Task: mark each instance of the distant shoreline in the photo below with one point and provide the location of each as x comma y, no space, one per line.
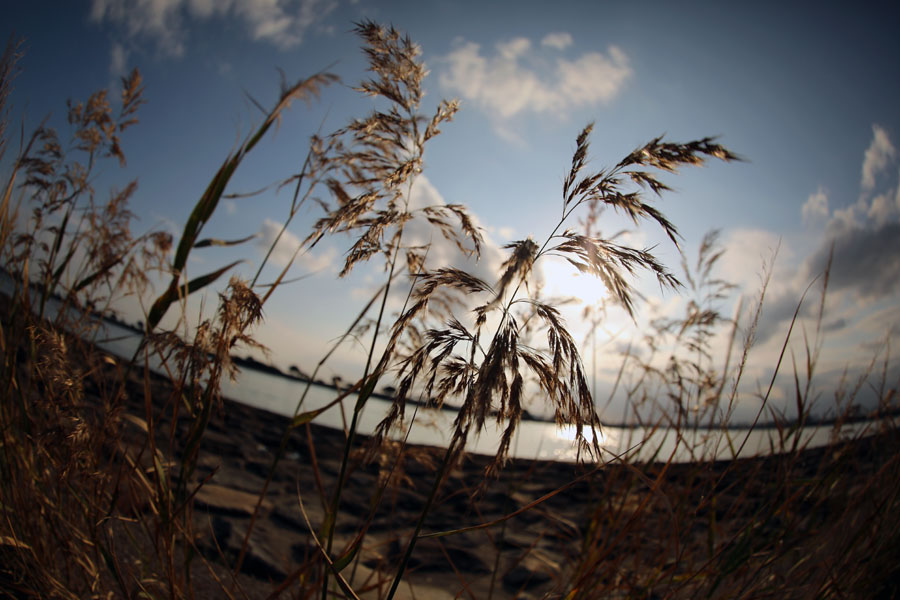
269,369
252,364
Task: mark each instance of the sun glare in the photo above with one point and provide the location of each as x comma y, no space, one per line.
568,432
561,280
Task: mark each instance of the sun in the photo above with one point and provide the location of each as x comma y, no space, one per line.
562,280
570,432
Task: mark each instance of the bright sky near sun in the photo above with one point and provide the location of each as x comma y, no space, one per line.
807,92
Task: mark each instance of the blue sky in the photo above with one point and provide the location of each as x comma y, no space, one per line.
806,92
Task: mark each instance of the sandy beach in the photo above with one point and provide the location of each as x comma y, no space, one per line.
236,456
531,555
621,530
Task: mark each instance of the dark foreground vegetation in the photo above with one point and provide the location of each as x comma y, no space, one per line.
119,482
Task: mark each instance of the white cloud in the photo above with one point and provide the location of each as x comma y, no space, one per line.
878,204
505,233
442,252
878,155
594,77
423,193
860,244
158,20
849,217
514,48
747,251
206,8
287,246
859,241
165,22
560,40
815,209
512,81
897,194
882,210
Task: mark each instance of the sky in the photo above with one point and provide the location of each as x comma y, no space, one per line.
805,92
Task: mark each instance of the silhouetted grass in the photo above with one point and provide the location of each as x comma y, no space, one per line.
108,470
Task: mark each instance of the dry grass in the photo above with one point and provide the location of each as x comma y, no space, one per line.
101,464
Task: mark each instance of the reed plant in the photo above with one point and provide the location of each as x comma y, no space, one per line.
746,527
103,462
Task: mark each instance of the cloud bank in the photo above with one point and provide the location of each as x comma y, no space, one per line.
859,243
866,235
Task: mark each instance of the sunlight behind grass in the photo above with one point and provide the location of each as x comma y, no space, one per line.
117,481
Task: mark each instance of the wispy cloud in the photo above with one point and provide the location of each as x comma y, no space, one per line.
118,60
749,252
878,156
560,41
518,78
287,246
159,20
165,23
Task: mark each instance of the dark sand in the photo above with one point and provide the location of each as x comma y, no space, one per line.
638,510
529,556
236,456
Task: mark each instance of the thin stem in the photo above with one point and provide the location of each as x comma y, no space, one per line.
295,206
365,391
438,479
287,432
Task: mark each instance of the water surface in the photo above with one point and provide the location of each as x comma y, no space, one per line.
534,439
